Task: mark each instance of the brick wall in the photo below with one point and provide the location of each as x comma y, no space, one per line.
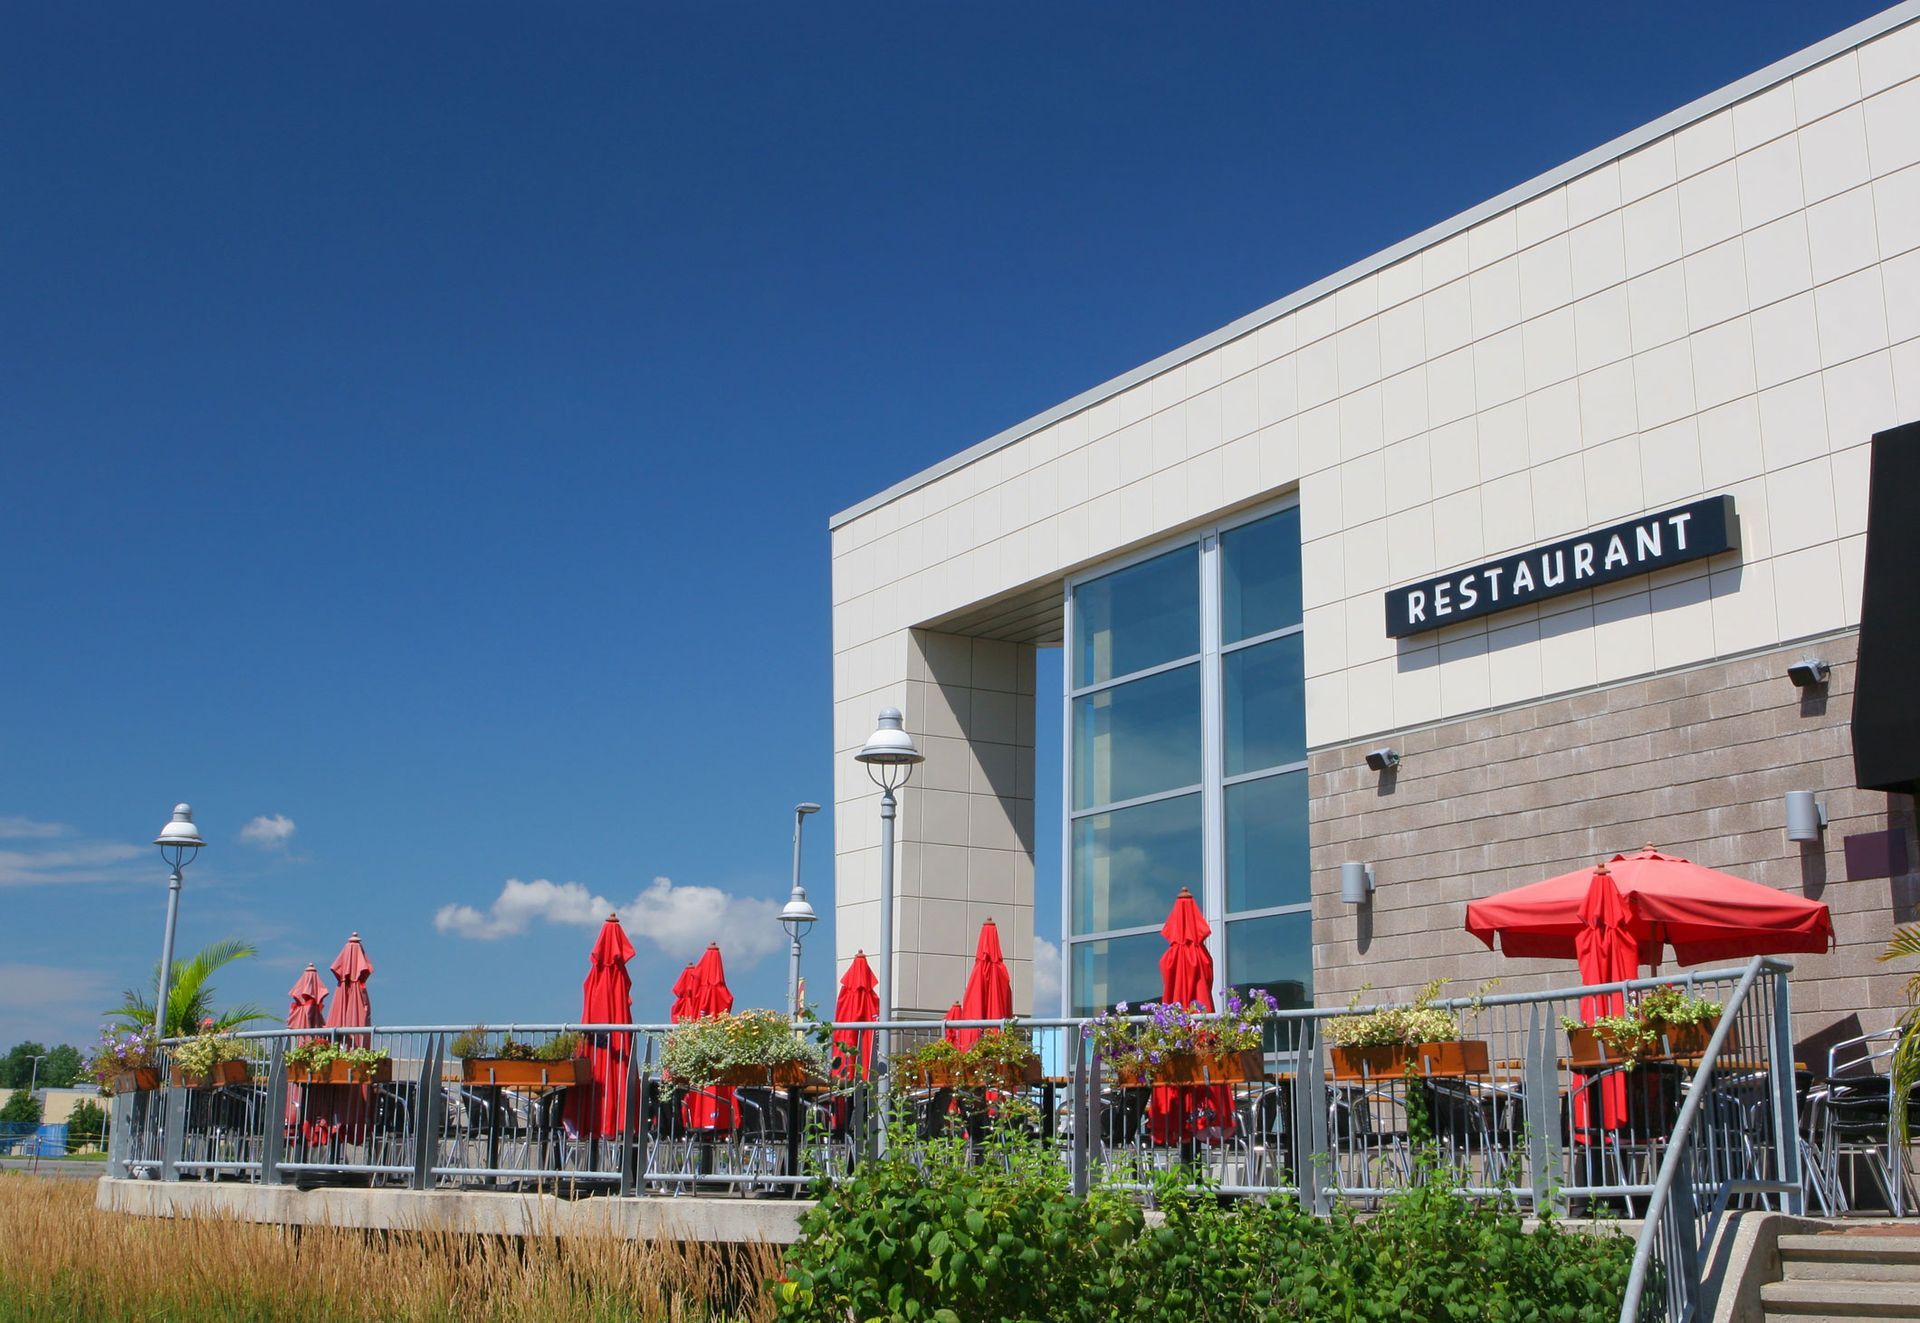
1697,762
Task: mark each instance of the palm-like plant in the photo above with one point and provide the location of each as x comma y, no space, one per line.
1906,1053
190,995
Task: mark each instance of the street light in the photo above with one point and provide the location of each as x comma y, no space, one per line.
33,1080
179,842
889,756
798,916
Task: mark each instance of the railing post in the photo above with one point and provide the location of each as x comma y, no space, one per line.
635,1131
1683,1270
1540,1093
1316,1143
273,1126
173,1141
1082,1116
428,1113
120,1125
1786,1102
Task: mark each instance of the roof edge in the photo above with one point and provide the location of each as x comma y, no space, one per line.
1698,109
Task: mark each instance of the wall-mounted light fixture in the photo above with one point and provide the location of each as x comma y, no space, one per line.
1356,883
1806,816
1808,673
1383,760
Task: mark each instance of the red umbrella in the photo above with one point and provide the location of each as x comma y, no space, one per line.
340,1111
606,997
711,996
989,994
1608,953
683,996
308,996
1186,979
1700,913
953,1035
859,1001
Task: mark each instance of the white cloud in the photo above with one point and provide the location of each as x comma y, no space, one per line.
26,829
268,833
68,864
679,920
1046,977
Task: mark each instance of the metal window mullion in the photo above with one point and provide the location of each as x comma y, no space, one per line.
1114,934
1269,911
1256,640
1145,673
1262,774
1119,805
1212,759
1068,881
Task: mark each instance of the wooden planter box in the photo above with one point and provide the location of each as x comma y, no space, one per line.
141,1079
339,1072
512,1073
1469,1057
223,1073
1190,1068
1012,1078
783,1075
1590,1052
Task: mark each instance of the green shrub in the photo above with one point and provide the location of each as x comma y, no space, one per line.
998,1237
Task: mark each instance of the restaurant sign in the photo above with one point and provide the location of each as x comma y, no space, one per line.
1639,546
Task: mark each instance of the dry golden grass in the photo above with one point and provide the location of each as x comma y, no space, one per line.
61,1259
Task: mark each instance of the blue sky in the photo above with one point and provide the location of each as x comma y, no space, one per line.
421,422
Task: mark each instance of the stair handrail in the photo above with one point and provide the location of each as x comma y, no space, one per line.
1678,1155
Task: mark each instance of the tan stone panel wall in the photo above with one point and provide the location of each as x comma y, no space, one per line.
1696,762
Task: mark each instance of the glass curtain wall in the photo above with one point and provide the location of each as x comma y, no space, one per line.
1187,763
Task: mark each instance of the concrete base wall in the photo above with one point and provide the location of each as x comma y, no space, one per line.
720,1220
1697,762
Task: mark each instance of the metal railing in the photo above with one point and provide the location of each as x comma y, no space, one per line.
1513,1110
1736,1138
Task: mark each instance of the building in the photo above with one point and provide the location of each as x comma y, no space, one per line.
1546,499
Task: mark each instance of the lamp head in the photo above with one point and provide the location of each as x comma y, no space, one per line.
1383,760
801,810
798,915
179,840
1808,673
890,753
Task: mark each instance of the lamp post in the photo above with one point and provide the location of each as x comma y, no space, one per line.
798,916
889,757
33,1080
179,842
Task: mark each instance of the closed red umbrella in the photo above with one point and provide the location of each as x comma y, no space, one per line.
953,1035
859,1001
1186,979
683,987
711,996
340,1111
306,1010
606,997
1608,953
989,994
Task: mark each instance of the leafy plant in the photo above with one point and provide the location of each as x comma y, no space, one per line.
479,1042
1635,1035
21,1108
207,1049
700,1051
1673,1004
319,1055
120,1052
1125,1042
990,1059
86,1124
1905,1067
1419,1021
190,995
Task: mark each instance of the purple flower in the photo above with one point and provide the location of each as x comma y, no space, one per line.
1120,1007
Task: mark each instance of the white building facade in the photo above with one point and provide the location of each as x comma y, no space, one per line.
1330,527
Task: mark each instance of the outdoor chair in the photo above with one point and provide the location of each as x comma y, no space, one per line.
1856,1116
759,1139
1266,1129
1368,1146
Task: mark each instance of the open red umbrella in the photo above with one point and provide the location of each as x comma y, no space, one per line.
1186,979
1699,913
306,1010
606,997
859,1001
989,994
711,996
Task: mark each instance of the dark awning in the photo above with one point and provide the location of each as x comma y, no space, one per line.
1886,697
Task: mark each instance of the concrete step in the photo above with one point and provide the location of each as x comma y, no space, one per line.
1840,1257
1801,1300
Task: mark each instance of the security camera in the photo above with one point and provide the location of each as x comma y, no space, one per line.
1383,760
1808,674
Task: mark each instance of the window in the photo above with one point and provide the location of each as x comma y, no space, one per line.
1187,763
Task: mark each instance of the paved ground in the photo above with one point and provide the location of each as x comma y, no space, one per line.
59,1169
